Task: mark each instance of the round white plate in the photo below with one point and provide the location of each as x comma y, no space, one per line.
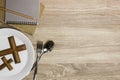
22,69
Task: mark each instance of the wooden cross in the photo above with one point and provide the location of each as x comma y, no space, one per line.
13,50
6,63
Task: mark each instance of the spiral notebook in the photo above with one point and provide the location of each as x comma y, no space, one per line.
22,11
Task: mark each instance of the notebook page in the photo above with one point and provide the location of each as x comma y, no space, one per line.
26,7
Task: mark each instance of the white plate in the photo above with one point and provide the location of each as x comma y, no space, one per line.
27,56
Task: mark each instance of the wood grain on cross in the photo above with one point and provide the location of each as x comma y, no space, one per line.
13,50
6,63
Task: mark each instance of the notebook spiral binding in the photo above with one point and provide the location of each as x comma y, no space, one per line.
21,22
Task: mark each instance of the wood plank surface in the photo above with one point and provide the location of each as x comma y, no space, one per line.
87,37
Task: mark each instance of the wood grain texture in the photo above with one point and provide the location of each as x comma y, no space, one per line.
87,37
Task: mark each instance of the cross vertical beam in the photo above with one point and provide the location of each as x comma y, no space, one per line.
13,47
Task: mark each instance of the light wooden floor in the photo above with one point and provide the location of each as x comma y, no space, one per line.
87,37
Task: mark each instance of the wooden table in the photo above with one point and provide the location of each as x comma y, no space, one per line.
87,37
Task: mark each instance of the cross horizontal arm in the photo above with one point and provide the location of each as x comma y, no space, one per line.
9,51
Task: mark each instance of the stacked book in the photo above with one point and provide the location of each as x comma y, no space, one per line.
25,12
